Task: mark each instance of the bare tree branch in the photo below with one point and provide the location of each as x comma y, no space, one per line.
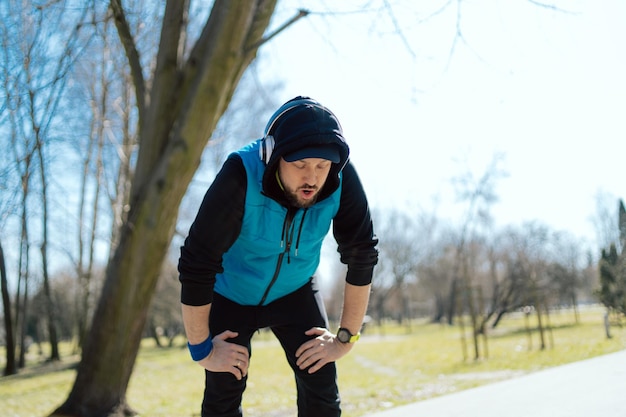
548,6
301,13
399,30
132,54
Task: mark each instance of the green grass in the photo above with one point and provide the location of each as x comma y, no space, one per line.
390,366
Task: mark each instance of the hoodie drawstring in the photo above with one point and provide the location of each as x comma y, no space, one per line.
288,231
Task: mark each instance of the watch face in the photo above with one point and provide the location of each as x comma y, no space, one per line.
343,335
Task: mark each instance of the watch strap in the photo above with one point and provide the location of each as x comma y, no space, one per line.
354,338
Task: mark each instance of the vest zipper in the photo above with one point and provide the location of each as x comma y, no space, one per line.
291,213
274,278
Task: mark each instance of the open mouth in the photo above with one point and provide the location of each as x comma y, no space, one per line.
308,192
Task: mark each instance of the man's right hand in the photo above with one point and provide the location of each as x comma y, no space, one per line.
227,356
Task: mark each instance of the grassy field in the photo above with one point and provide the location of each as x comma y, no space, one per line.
390,366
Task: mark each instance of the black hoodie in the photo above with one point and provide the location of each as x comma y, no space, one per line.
219,219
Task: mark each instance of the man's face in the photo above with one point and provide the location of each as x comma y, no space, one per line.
302,180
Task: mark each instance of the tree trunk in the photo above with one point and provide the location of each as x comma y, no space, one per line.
186,101
50,308
499,316
24,266
154,333
542,339
440,308
452,301
21,359
527,312
11,366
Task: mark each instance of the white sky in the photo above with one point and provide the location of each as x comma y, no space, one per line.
546,88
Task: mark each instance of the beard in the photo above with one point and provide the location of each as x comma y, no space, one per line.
296,201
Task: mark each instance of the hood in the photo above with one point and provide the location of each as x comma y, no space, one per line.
303,123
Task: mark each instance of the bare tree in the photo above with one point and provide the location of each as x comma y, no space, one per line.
435,274
42,106
479,194
506,277
7,209
50,309
38,81
533,255
177,109
401,252
102,82
21,151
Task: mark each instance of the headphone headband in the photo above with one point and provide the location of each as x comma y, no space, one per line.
285,108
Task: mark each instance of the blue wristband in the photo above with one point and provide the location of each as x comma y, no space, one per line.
201,350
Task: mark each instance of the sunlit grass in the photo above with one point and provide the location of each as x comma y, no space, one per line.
390,366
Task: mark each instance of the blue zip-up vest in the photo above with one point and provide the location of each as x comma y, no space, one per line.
273,255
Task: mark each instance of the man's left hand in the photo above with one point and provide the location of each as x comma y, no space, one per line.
323,349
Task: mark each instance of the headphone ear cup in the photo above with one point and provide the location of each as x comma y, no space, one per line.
266,149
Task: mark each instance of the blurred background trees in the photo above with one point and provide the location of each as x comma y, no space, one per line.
67,164
75,81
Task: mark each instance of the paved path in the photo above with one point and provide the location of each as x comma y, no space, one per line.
591,388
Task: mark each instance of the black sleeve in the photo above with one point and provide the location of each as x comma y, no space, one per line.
212,233
354,231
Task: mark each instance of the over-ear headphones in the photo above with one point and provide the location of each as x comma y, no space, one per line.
268,142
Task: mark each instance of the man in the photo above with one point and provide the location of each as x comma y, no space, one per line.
251,253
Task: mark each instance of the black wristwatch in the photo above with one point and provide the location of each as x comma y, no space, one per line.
344,336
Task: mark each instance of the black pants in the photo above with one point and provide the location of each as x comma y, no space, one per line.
288,318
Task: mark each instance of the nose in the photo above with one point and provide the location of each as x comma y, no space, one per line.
310,175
